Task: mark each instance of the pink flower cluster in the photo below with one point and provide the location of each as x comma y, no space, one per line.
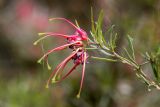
77,43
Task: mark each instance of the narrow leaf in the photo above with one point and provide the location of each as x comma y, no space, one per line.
77,24
130,41
158,52
154,68
99,26
130,57
92,21
105,59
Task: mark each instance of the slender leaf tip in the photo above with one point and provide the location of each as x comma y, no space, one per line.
77,24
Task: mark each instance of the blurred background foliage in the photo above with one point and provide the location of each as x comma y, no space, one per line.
22,80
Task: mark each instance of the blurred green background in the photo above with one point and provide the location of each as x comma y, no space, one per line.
22,80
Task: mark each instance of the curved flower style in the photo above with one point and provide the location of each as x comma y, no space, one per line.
76,43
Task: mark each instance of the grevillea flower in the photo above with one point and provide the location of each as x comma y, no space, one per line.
77,43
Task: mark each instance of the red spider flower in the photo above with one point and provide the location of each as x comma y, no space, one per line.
76,43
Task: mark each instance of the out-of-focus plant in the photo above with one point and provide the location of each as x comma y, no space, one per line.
80,43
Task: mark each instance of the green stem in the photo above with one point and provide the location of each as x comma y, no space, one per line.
132,63
105,59
124,60
91,48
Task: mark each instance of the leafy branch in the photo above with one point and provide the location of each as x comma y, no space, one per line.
99,43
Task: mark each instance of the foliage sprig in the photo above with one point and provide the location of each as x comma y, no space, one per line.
108,48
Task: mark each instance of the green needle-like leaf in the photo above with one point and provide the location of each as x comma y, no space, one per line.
77,24
130,41
154,68
130,57
105,59
92,21
158,52
96,31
